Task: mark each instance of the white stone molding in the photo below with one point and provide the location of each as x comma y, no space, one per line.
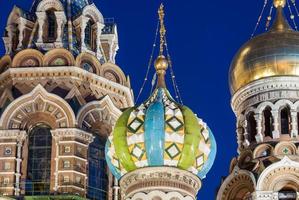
60,133
83,24
100,26
158,181
19,112
271,178
49,4
153,195
21,26
93,12
275,132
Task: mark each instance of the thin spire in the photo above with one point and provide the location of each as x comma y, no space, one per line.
161,63
280,23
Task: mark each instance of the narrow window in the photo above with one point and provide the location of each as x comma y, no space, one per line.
268,122
285,121
51,26
251,126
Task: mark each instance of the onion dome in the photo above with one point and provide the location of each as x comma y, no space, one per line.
160,132
274,53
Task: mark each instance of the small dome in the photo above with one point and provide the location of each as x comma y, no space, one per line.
275,53
160,132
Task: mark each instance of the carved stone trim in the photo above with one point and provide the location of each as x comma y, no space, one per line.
163,179
72,132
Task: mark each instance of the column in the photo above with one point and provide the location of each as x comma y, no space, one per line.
294,131
259,135
56,139
100,26
9,40
275,132
116,189
60,20
20,140
21,26
84,21
243,124
41,17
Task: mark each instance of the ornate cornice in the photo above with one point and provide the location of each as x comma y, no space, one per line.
13,134
58,134
67,74
265,89
162,179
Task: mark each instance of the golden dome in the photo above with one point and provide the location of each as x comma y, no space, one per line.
275,53
161,63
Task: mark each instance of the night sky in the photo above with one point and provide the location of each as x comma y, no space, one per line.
203,37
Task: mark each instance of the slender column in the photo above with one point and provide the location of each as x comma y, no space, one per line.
21,27
60,20
84,21
56,139
116,189
275,132
9,40
294,131
100,26
244,124
259,128
41,17
20,140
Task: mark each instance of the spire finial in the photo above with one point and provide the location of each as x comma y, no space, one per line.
162,28
279,3
161,63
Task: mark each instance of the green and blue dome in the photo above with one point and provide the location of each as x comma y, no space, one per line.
160,132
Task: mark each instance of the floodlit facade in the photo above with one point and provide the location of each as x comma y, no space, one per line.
61,93
264,84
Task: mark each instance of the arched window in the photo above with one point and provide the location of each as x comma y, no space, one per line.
51,26
285,120
39,161
268,122
89,37
251,126
97,170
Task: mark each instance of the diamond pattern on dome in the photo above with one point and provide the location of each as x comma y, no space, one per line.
173,150
135,125
199,161
175,123
138,152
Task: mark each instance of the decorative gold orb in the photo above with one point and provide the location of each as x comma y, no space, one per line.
161,63
279,3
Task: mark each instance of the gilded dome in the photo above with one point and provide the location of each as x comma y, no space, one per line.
275,53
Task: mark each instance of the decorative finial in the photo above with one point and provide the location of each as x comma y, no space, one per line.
161,63
279,3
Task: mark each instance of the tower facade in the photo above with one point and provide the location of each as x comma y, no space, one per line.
160,150
60,94
264,82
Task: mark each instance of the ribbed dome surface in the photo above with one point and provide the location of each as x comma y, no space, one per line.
160,132
275,53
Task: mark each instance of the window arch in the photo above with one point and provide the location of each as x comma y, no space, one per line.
39,161
268,122
285,121
97,170
51,26
287,194
251,126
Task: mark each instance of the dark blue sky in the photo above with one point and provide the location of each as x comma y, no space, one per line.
203,37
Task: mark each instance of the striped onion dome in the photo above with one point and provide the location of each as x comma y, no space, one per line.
160,132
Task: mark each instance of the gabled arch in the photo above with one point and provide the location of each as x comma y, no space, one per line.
110,69
49,4
91,59
59,57
38,106
91,11
275,176
28,57
95,113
